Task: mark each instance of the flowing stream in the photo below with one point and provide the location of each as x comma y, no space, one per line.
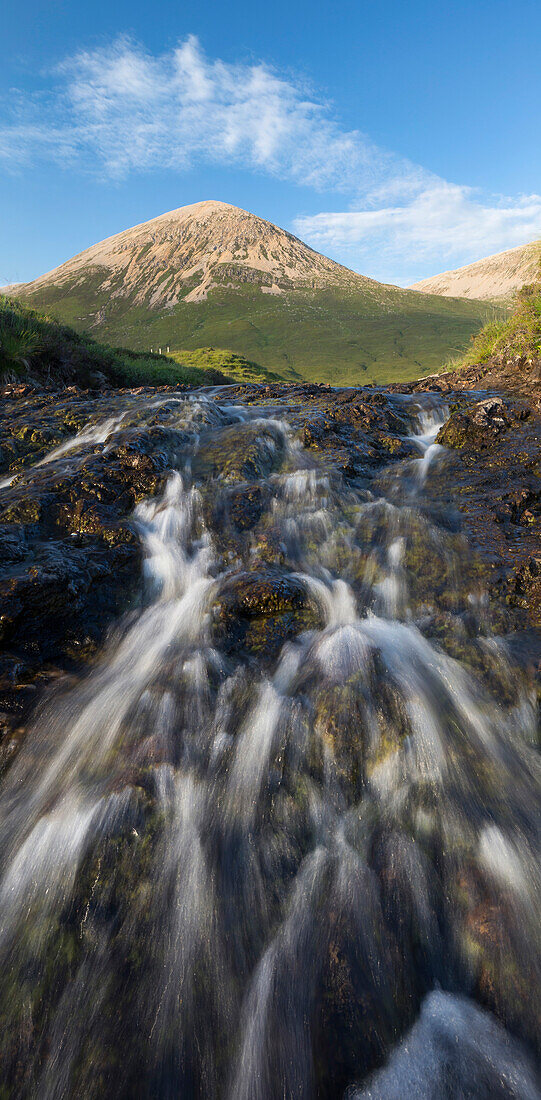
268,866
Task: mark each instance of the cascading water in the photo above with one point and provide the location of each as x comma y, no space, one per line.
292,864
430,421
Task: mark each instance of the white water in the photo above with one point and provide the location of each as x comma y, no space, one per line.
429,421
284,858
454,1050
91,434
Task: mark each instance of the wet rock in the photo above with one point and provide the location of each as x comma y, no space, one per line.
313,435
246,504
261,611
493,949
341,723
12,544
239,454
480,426
534,567
253,594
26,510
271,547
90,519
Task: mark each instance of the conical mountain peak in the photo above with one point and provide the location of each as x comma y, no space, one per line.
185,253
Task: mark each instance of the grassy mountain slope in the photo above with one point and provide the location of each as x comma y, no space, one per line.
212,275
341,335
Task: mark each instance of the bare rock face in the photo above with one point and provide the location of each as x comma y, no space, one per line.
181,255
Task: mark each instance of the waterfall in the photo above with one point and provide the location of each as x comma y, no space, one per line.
280,839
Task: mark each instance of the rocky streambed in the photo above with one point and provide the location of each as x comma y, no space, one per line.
269,771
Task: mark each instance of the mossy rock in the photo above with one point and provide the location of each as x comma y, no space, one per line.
239,454
265,636
340,725
246,505
456,433
27,510
250,595
90,519
391,444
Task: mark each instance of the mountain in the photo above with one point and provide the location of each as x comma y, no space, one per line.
213,275
495,277
182,255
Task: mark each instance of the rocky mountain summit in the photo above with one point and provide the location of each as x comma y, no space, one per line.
185,253
214,276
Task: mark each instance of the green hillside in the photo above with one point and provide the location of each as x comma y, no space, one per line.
227,362
340,334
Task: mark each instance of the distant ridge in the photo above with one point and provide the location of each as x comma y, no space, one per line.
495,277
211,275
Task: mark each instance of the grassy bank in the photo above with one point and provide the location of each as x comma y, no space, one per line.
228,362
516,337
34,347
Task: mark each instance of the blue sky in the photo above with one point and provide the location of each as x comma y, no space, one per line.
401,138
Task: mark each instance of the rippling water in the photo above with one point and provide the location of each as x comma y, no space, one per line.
301,870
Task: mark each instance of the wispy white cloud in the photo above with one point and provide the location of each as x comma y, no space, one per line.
442,223
121,109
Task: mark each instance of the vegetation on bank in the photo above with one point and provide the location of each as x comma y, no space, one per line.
518,336
32,346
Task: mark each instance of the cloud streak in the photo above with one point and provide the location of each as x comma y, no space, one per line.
443,223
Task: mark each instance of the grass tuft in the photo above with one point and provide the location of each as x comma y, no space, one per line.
19,343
